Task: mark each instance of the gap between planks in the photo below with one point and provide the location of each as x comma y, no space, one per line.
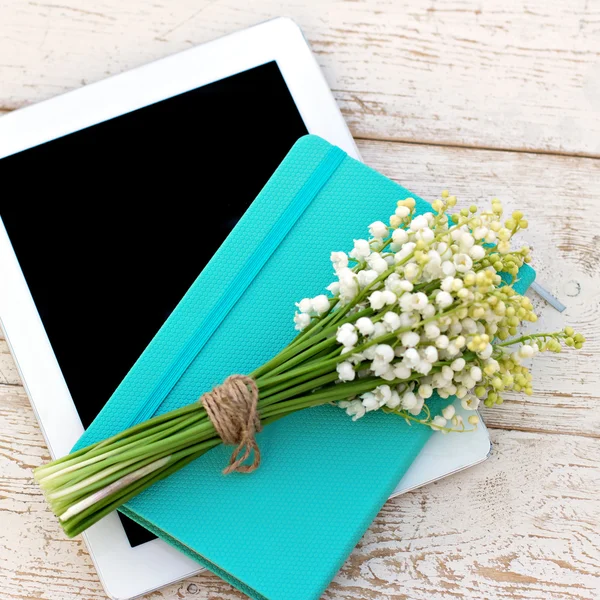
450,145
502,427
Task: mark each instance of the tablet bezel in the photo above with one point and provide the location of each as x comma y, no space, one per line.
120,567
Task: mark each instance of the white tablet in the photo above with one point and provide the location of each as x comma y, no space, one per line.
105,189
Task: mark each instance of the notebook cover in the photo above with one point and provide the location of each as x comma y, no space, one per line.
282,532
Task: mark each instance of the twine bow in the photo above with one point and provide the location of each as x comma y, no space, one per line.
232,409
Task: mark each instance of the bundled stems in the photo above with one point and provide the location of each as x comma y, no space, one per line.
419,313
84,486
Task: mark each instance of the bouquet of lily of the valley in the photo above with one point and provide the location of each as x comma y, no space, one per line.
418,309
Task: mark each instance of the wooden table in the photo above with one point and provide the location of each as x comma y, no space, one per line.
486,98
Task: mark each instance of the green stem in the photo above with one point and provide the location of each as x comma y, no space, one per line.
532,336
292,351
118,441
299,358
87,518
275,389
199,432
294,391
72,474
62,499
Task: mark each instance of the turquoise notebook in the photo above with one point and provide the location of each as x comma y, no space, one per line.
282,532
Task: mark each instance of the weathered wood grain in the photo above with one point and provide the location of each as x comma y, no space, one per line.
522,525
471,73
461,72
8,370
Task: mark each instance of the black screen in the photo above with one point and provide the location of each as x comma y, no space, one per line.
112,224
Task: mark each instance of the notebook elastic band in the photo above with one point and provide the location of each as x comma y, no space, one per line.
239,284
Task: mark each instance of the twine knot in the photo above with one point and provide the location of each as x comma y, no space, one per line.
232,408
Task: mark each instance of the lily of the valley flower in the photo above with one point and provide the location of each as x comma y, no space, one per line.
437,310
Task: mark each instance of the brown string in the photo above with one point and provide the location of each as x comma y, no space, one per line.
232,409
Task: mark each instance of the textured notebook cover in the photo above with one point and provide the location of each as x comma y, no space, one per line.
282,532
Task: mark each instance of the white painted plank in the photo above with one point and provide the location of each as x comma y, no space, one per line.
522,525
461,72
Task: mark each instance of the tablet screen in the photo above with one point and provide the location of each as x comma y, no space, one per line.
113,223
